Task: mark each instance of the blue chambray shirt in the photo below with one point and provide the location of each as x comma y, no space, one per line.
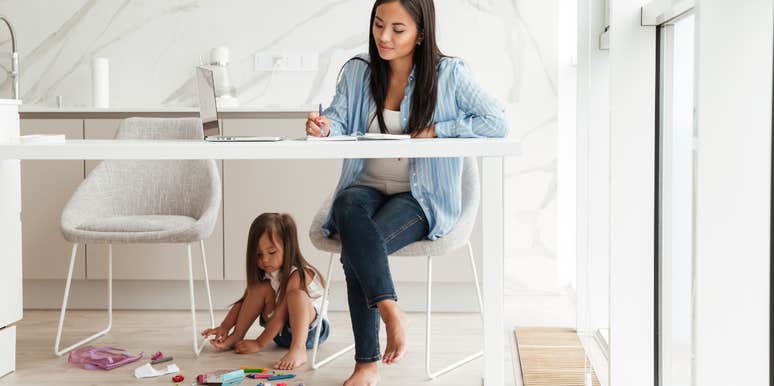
463,109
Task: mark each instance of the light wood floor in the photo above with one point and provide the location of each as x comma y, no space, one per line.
552,356
454,335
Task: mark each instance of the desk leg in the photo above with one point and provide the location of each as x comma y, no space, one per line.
493,247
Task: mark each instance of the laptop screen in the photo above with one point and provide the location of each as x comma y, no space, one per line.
208,109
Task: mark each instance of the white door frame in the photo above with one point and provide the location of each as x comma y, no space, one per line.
616,185
593,183
675,255
632,195
733,192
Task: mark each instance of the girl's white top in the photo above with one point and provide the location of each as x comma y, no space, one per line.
388,175
314,287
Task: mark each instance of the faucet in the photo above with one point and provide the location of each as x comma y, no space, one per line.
14,60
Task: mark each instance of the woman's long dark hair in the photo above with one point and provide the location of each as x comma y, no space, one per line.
427,56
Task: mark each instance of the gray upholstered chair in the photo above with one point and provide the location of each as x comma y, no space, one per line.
144,201
458,237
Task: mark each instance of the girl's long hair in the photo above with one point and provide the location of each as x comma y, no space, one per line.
282,230
427,56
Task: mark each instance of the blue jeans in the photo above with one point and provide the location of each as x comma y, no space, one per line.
372,225
285,337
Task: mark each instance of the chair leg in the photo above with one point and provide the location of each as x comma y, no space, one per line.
428,315
59,352
428,370
324,313
197,345
207,284
475,281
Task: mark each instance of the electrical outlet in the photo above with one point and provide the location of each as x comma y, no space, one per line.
286,61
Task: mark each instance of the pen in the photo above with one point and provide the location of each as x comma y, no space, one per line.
319,120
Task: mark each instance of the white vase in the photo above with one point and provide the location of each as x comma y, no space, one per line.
100,82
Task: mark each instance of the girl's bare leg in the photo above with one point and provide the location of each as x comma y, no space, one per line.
301,313
252,306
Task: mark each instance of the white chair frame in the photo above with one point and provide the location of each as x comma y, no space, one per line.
428,332
197,345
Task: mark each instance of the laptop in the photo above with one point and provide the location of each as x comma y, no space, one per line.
208,112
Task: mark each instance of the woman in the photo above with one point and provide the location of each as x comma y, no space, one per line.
404,85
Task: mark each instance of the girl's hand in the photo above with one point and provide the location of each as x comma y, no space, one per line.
220,333
317,125
426,133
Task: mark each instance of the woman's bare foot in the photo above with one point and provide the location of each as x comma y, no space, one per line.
248,346
295,358
395,323
365,374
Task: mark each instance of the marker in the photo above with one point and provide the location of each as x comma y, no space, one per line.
254,370
278,377
260,375
161,360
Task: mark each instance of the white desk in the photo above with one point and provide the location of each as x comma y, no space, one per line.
491,150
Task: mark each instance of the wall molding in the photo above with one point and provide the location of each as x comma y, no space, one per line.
173,295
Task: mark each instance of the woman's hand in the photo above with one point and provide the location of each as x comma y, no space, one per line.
426,133
317,125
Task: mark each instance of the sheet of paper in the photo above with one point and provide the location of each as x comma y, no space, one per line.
380,136
147,371
332,138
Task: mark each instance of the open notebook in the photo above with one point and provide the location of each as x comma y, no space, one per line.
365,137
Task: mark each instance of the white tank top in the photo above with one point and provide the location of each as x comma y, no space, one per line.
314,287
388,175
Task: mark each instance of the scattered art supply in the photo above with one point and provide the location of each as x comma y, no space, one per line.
260,375
157,355
147,371
280,377
105,358
178,378
233,378
254,369
161,360
223,377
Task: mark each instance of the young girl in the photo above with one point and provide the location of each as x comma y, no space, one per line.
283,290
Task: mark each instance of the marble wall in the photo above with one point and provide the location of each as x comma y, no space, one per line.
152,46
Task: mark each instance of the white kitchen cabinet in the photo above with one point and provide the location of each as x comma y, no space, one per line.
45,189
11,253
7,350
